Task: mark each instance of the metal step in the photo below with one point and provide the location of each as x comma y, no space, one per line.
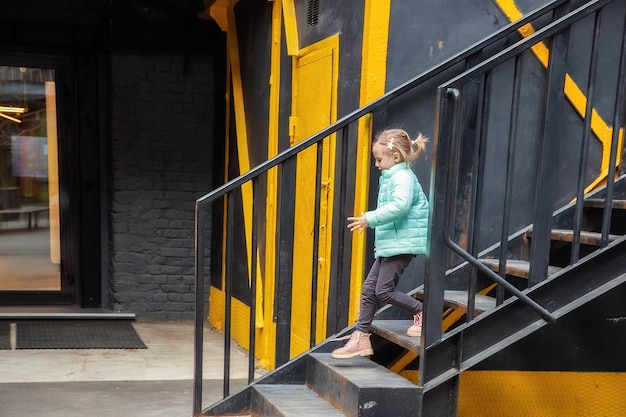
600,203
354,387
458,300
395,332
289,401
586,238
361,387
516,268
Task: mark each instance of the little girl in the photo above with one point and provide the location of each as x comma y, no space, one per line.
401,232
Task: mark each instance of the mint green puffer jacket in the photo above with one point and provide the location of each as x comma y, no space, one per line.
401,216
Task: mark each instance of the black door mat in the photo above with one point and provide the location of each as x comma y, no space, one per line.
5,335
73,334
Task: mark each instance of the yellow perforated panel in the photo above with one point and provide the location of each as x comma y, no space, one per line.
542,394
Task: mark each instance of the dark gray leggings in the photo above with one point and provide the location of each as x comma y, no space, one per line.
380,286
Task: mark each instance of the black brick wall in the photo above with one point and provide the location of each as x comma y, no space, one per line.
161,149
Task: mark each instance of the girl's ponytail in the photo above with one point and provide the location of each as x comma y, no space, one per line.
418,145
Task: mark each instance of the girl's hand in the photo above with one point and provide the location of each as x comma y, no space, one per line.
357,223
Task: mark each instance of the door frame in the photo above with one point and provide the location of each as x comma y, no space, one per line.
80,159
305,121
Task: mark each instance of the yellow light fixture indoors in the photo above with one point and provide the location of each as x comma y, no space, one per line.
11,109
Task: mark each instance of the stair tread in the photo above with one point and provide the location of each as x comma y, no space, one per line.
599,202
458,299
359,386
586,237
363,372
297,400
517,267
395,331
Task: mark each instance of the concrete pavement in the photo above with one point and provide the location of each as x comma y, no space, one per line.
152,382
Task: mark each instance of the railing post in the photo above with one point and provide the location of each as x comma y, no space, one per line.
548,160
435,267
343,251
253,279
282,303
618,120
436,260
584,148
228,287
199,311
316,243
467,173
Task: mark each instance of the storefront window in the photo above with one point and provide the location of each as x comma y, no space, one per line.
29,186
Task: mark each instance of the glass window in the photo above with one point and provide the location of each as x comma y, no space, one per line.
29,188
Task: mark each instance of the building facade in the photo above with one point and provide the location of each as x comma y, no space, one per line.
113,146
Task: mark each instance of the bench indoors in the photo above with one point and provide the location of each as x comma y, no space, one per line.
31,212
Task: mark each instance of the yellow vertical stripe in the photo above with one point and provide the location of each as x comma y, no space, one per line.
373,79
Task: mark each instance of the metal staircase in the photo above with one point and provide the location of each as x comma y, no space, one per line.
561,260
314,384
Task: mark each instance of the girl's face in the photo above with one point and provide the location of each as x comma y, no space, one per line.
385,159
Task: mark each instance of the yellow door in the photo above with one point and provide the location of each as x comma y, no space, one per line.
313,108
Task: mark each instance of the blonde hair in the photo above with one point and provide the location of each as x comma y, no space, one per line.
397,140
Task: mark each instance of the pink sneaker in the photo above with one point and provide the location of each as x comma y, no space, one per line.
358,344
416,328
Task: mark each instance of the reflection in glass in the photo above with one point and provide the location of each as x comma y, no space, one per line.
29,211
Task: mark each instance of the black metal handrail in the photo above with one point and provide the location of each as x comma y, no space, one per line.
476,52
450,124
455,96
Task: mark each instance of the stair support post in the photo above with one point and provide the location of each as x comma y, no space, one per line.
283,291
548,160
435,267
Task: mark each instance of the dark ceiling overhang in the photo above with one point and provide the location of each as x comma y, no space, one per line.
159,25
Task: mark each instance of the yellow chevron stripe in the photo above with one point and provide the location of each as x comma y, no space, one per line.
291,27
574,94
222,12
